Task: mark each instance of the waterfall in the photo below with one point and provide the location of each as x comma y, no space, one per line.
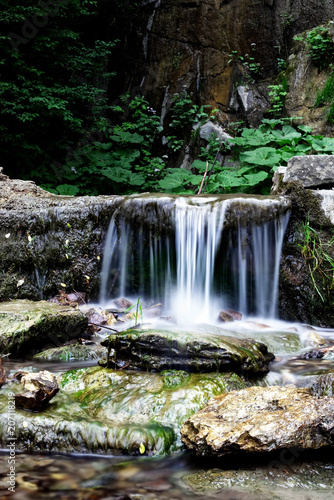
196,255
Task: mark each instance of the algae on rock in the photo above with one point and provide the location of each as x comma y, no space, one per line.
157,350
27,326
105,411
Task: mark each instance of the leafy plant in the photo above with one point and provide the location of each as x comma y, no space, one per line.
256,154
248,61
138,313
326,96
44,108
319,258
278,94
321,46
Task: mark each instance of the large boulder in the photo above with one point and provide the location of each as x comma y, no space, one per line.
26,326
193,352
313,171
50,243
261,419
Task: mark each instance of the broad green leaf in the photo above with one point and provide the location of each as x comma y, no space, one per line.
252,137
261,156
230,179
199,165
67,189
253,179
136,179
305,128
118,174
324,144
285,136
126,137
178,177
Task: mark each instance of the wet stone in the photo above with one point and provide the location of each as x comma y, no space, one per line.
109,411
73,352
193,352
27,326
259,420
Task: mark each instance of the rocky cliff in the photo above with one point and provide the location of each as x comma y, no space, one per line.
168,44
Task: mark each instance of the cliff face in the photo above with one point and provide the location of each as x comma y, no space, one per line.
171,43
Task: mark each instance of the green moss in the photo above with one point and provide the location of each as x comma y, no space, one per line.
174,378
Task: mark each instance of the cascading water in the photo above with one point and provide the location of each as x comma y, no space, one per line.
191,256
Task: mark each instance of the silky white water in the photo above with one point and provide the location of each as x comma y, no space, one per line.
199,267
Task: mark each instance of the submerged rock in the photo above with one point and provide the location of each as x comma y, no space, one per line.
105,411
27,326
70,352
160,350
261,419
279,479
225,317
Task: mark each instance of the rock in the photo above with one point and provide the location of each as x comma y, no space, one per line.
326,198
260,419
311,338
278,180
193,352
105,411
225,317
312,170
322,385
209,128
95,317
250,103
2,372
41,388
55,242
325,352
123,303
27,326
73,352
304,83
282,478
235,314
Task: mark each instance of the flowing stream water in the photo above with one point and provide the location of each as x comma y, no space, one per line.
196,258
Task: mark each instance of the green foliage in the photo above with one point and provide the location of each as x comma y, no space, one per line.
281,64
319,257
326,96
45,107
278,94
321,46
138,313
257,153
248,61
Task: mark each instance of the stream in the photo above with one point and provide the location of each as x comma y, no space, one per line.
182,475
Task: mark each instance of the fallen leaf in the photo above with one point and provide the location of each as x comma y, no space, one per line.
142,448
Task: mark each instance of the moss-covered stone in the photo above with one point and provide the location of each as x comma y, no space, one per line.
302,276
105,411
26,326
76,352
190,351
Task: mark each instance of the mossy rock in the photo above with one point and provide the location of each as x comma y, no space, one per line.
71,352
100,410
190,351
26,326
